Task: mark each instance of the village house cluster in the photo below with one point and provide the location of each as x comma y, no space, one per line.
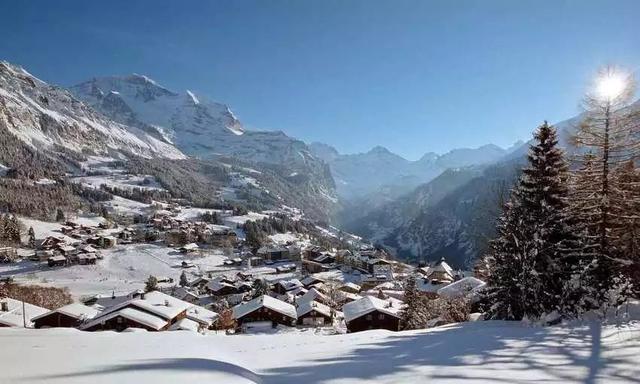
254,301
290,284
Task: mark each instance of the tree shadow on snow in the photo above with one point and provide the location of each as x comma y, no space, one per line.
473,352
159,365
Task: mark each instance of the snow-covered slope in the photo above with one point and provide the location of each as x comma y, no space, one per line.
482,352
195,124
363,174
46,116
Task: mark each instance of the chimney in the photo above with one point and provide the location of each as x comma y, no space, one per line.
4,306
166,303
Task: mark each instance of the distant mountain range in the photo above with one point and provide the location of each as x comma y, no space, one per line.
360,175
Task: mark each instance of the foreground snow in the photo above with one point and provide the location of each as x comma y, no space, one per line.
486,352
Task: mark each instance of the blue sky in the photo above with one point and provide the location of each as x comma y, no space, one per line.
414,76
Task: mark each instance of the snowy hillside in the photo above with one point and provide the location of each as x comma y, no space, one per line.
485,352
46,116
195,124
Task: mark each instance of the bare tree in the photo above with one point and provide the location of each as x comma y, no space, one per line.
605,139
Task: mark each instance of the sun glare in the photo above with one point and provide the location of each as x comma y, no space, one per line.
611,85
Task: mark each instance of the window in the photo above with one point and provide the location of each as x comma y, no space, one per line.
381,316
369,317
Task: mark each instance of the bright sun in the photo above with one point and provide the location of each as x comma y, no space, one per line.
610,85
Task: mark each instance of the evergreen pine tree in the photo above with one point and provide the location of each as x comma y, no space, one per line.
260,288
412,314
32,237
627,178
529,258
151,284
184,281
60,215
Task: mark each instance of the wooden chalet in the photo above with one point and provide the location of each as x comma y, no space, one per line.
273,253
57,261
313,313
51,242
69,316
153,311
372,313
283,286
265,308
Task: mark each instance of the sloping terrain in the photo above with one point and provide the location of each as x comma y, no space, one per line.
484,352
47,117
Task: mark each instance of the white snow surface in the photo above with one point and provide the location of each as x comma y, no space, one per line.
18,313
479,352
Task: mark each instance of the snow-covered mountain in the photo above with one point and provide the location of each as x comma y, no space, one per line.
198,126
359,175
46,117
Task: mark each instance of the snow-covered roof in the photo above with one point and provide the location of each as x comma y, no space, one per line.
185,325
442,266
158,303
144,318
428,286
368,304
190,246
308,280
351,286
14,316
58,258
202,315
103,302
308,306
461,287
312,295
342,295
216,285
76,310
276,305
290,284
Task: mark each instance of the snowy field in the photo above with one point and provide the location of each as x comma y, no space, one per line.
123,269
122,181
485,352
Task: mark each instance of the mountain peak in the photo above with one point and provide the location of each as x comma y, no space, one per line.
380,150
